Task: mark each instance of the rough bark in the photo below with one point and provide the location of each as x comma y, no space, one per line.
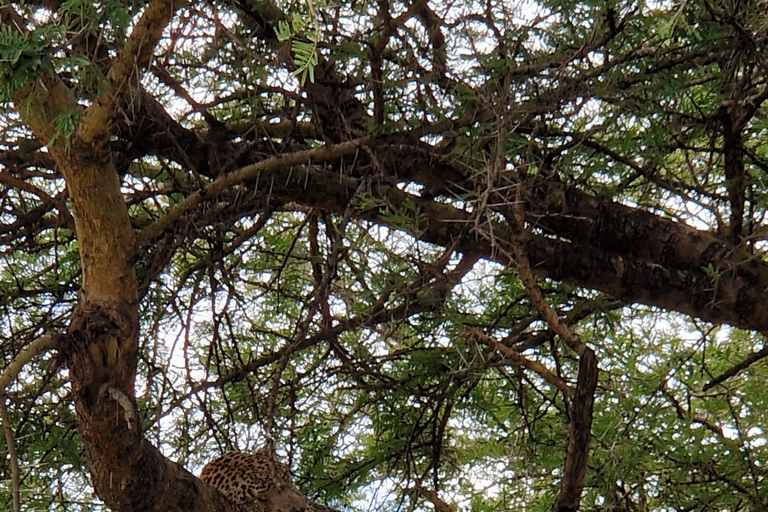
101,346
580,432
589,241
733,165
595,243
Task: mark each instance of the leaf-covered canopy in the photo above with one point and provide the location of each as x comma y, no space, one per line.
383,234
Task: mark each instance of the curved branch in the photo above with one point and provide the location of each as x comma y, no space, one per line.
40,345
321,154
529,280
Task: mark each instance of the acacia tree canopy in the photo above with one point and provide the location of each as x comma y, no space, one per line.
398,239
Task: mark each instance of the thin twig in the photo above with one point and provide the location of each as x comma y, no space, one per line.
11,443
518,358
735,369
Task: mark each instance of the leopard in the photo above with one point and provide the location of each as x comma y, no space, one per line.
255,482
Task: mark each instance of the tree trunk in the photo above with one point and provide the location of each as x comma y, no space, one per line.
100,348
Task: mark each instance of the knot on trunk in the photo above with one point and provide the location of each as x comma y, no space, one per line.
93,349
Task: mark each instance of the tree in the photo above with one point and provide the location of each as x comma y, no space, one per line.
395,238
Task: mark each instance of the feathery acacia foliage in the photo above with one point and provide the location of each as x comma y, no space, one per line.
395,237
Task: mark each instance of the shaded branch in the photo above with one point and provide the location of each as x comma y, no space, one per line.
10,442
738,367
651,260
575,467
14,182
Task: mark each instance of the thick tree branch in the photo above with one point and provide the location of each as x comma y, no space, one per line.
101,346
661,267
561,232
733,165
632,255
133,59
569,497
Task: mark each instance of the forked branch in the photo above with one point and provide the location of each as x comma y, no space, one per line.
580,431
134,57
517,358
